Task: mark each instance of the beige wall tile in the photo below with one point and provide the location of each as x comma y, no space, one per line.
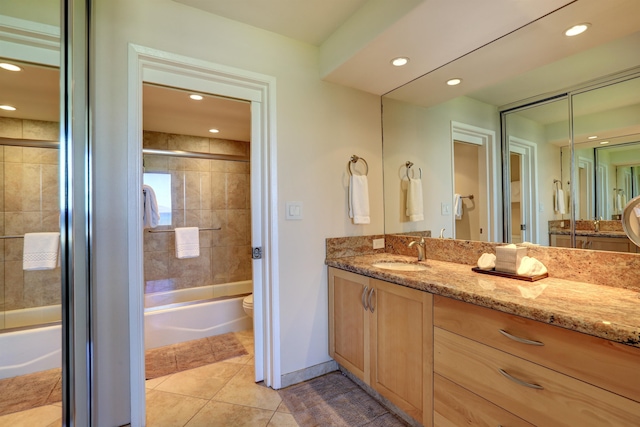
14,223
191,272
13,154
155,242
41,288
13,285
47,156
36,129
219,265
218,190
237,188
238,234
223,146
13,179
157,140
31,195
10,128
32,222
50,188
239,263
13,249
156,265
51,220
153,163
188,143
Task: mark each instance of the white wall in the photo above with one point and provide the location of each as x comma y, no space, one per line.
319,125
423,136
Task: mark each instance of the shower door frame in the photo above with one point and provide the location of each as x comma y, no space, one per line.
156,66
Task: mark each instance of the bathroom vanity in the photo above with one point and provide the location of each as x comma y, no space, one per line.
450,347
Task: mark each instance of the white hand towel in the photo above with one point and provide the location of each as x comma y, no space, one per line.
415,207
530,266
487,261
559,202
359,199
151,213
187,242
41,251
457,206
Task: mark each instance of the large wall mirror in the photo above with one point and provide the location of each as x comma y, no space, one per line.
497,152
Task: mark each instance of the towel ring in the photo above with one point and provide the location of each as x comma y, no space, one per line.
354,159
408,165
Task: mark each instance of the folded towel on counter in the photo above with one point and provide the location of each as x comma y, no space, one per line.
187,242
457,206
151,213
487,261
531,267
559,204
41,251
415,207
359,199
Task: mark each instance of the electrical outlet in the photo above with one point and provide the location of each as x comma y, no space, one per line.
445,209
378,243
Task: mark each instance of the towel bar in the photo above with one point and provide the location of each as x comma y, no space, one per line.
408,165
171,231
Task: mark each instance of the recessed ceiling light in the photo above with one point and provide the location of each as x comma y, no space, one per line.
593,137
214,130
454,82
9,67
196,97
400,61
7,108
577,29
604,142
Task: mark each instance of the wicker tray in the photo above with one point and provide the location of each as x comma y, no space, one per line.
493,272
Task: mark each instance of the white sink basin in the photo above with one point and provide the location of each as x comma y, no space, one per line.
399,266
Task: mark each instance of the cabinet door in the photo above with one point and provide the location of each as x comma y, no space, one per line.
560,240
401,348
616,244
348,322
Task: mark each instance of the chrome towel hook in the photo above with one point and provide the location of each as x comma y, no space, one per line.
355,159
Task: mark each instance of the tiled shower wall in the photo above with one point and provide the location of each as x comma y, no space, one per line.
205,193
29,194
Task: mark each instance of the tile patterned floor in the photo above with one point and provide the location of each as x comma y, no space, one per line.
219,394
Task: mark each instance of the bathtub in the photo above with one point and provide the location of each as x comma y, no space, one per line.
171,317
190,314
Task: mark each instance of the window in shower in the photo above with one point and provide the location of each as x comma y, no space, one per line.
161,184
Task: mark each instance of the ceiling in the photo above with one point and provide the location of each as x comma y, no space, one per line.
504,50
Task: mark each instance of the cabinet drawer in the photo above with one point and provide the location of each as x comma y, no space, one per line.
455,406
561,401
612,366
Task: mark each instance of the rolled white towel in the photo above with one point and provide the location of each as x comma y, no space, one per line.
530,266
487,261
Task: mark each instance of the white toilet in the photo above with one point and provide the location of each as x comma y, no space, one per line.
247,304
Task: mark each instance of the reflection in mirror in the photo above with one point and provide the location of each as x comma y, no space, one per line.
533,137
631,221
423,119
30,301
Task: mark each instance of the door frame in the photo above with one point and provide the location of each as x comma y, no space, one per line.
488,170
156,66
529,186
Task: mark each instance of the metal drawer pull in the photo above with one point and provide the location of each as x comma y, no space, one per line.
364,300
521,340
371,307
522,383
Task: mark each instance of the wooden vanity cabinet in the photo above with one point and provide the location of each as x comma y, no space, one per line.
597,243
382,333
540,373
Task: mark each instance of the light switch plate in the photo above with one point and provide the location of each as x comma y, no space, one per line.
445,209
378,243
293,210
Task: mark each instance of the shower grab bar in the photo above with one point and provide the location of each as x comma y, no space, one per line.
11,237
171,231
470,197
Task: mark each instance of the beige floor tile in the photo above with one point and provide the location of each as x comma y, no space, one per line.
242,390
281,419
169,409
241,360
203,382
150,384
225,414
283,408
43,416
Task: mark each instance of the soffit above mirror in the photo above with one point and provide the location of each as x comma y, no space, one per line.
538,59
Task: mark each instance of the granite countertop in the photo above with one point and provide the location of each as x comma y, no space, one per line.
601,311
616,234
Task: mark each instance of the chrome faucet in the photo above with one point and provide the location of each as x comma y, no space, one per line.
442,233
421,248
596,224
